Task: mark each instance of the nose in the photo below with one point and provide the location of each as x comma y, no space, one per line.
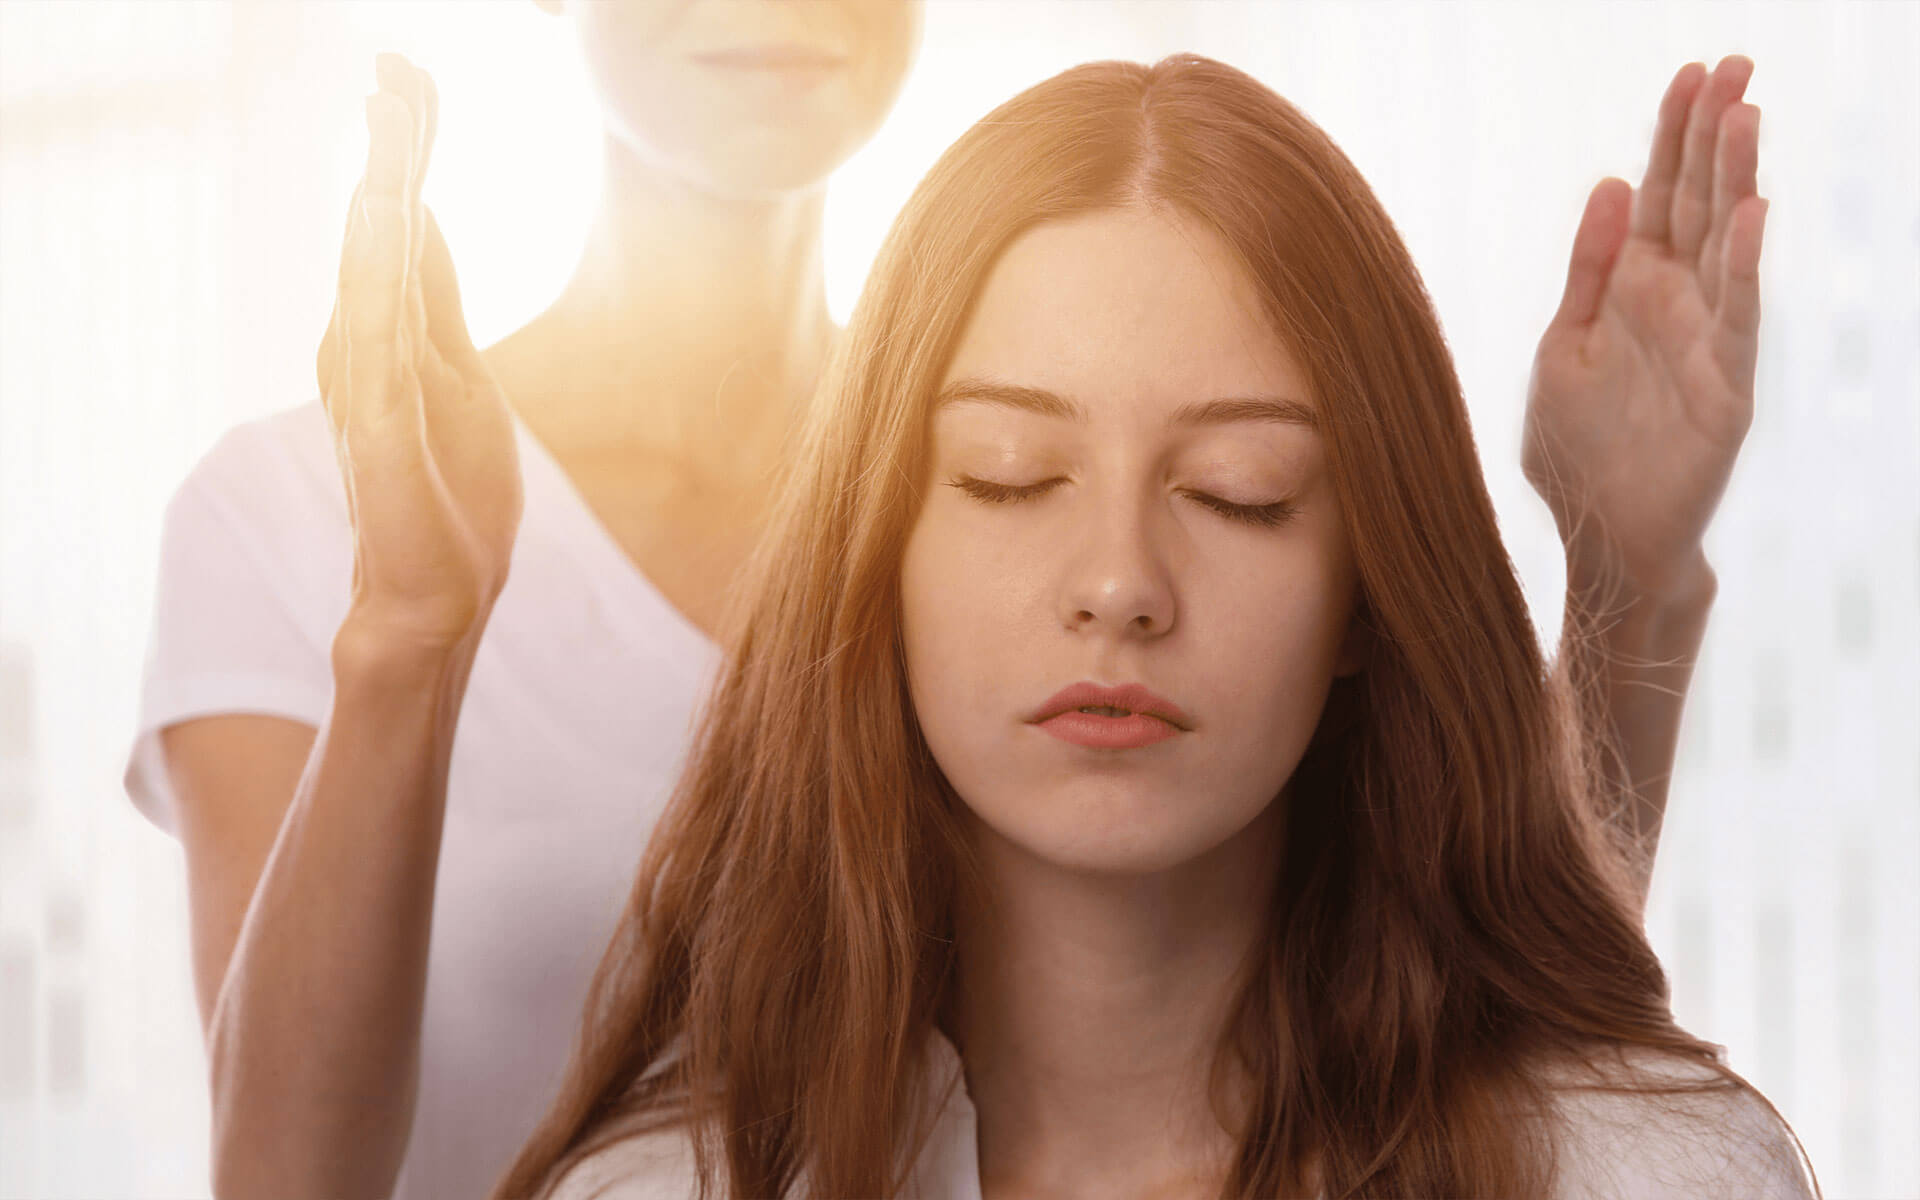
1117,581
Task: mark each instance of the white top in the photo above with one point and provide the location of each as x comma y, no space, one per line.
1719,1145
576,719
659,1165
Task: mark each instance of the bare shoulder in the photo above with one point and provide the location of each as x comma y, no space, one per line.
1707,1139
650,1166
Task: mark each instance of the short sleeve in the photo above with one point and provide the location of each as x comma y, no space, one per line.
1718,1144
232,631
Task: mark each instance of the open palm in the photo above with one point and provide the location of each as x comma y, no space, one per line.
1642,387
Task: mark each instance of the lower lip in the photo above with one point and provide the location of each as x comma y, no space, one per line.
1109,733
771,84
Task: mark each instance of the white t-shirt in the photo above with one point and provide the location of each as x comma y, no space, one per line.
576,721
1715,1145
660,1166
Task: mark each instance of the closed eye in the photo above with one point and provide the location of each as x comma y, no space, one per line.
1266,516
1003,493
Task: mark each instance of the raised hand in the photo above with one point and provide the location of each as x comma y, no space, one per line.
1642,388
422,432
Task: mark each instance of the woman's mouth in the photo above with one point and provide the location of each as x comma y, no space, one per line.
1103,727
1111,703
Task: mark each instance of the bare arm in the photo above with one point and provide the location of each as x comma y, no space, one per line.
313,867
1640,666
311,949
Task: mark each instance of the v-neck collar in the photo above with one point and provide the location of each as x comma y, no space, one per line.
616,578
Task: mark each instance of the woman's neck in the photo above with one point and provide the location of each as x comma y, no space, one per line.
694,326
1089,1013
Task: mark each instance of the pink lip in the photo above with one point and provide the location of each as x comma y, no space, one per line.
1109,733
1151,718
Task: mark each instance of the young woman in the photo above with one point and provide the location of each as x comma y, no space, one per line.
1133,772
316,645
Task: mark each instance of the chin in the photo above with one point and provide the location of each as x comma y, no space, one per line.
1104,838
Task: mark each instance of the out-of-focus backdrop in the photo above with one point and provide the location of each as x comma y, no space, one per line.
173,185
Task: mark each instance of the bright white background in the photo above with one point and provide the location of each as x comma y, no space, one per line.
173,182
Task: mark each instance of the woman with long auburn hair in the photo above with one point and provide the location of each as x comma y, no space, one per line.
1134,771
411,793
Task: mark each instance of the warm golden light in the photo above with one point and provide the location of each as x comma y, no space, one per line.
174,179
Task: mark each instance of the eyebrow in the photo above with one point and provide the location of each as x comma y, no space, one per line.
1223,411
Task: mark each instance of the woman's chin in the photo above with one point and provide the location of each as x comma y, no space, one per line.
1113,838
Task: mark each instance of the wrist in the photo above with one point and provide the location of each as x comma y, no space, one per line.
367,647
1602,575
1641,625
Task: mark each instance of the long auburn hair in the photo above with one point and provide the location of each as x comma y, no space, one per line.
1451,908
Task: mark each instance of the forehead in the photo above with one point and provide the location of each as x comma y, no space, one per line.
1134,305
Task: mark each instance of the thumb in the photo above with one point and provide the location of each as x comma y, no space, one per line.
446,321
1603,229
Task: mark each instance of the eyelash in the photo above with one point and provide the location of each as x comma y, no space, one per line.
1266,516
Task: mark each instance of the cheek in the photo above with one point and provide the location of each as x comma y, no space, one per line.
959,600
888,33
1288,615
1271,631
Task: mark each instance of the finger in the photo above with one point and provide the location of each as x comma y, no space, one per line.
1693,195
426,120
1737,319
1736,169
429,121
401,78
412,85
1596,244
1654,200
373,267
1736,160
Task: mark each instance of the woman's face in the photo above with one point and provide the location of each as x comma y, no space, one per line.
746,96
1118,497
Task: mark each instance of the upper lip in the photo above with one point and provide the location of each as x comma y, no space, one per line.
1133,697
783,54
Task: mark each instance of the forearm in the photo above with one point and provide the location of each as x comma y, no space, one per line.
1635,664
314,1040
